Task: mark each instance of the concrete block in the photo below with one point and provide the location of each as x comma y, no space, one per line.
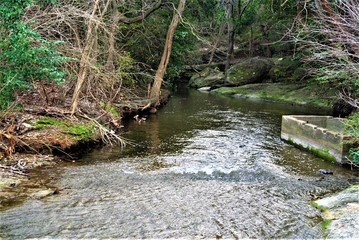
321,135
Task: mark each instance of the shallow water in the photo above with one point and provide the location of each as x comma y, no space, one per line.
205,166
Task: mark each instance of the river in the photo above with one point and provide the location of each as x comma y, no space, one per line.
205,166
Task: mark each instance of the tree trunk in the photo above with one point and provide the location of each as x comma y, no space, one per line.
230,19
231,34
85,58
161,70
110,63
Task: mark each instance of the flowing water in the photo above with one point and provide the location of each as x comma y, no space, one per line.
205,166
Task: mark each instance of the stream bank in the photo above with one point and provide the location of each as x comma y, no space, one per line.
38,136
274,79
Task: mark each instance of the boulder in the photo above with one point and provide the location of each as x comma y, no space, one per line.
206,78
253,70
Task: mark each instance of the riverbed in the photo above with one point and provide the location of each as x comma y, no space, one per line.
206,166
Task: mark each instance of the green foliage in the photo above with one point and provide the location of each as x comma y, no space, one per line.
126,65
183,46
352,125
328,50
145,42
352,129
47,1
25,56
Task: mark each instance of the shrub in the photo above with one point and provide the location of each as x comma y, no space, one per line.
352,129
25,56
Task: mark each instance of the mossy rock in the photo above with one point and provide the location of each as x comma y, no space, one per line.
253,70
206,78
283,92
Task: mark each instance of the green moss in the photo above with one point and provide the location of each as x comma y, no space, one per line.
326,222
283,92
322,154
110,108
353,186
79,131
325,225
47,123
207,77
319,207
82,131
226,91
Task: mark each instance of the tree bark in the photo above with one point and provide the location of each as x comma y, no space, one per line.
230,18
85,58
161,70
110,62
231,34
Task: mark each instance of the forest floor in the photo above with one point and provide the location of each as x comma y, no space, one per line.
43,132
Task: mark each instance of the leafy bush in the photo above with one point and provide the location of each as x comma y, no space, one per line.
25,56
352,129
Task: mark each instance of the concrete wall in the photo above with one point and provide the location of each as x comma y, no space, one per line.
321,135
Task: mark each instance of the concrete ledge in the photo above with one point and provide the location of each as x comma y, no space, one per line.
321,135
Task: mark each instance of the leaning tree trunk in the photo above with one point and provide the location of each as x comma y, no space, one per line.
110,62
160,73
85,58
